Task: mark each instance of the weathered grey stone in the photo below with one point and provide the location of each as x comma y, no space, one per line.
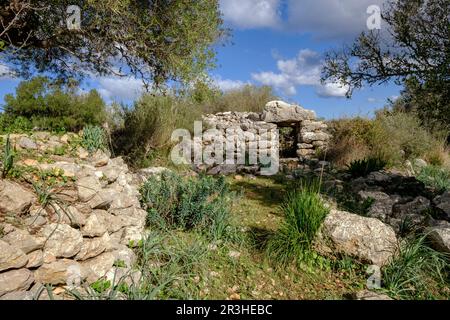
93,247
126,255
94,227
15,280
310,137
18,295
97,267
11,257
14,198
88,187
442,202
370,295
282,112
381,207
62,240
27,143
365,238
416,207
35,259
62,271
99,159
440,237
22,240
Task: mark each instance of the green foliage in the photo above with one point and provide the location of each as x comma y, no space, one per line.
417,32
51,106
155,40
101,286
175,202
249,98
94,138
149,124
8,157
436,177
417,272
398,136
304,213
361,168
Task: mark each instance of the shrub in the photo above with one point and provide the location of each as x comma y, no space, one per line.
304,213
248,98
52,106
149,124
416,272
436,177
397,136
94,138
361,168
175,202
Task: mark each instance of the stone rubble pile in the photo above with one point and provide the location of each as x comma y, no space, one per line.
87,234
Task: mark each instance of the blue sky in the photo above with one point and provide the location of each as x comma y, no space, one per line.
278,43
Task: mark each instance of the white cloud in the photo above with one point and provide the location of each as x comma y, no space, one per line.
248,14
332,89
120,89
371,100
329,18
6,73
227,84
303,70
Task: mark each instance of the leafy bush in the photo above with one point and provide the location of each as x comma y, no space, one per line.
148,126
248,98
361,168
51,106
304,213
94,138
175,202
436,177
397,136
416,272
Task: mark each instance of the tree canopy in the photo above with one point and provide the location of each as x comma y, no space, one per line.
412,48
154,40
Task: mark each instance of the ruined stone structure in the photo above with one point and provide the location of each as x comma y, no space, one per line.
299,139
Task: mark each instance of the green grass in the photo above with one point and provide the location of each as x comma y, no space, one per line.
435,177
8,157
417,272
304,212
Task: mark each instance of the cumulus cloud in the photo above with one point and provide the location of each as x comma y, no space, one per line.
6,73
248,14
120,89
329,18
332,90
303,70
227,84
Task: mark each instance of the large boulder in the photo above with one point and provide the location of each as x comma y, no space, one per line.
11,257
22,240
15,280
440,237
63,271
14,198
62,240
442,202
368,239
282,112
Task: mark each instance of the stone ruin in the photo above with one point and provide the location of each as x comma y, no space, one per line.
301,137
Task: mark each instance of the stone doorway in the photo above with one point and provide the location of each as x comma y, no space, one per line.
288,140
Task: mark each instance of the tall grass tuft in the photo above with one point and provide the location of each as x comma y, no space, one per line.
436,177
8,157
304,213
417,272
